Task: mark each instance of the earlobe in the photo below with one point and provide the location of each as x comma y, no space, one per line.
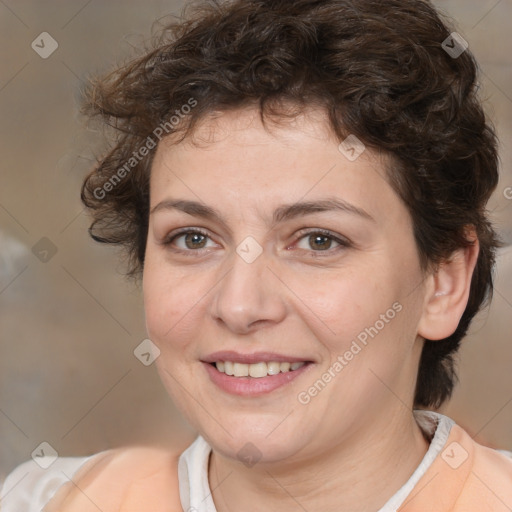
449,292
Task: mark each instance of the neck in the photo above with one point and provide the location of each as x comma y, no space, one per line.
359,474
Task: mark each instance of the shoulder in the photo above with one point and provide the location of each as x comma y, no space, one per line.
489,461
464,476
494,466
123,478
29,486
489,479
108,480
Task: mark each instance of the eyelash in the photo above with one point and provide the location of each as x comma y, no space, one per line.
343,243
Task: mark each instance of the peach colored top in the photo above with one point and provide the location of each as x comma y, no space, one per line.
456,475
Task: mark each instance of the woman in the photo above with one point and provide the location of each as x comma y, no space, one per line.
301,187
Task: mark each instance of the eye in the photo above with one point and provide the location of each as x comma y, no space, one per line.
188,240
321,241
194,240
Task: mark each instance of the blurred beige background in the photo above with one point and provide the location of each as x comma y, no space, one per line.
68,326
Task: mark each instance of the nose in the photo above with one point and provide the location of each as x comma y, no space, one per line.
248,297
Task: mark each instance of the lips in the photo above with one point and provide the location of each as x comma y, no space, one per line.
249,386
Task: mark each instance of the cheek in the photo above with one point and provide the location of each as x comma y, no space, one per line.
171,303
365,325
345,302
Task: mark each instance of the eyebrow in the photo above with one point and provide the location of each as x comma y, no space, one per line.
281,214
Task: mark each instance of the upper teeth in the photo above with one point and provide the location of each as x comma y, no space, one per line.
256,369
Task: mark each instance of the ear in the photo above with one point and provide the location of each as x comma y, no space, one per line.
448,292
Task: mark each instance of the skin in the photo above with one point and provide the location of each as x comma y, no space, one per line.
356,442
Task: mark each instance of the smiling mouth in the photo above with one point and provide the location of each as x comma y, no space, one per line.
257,370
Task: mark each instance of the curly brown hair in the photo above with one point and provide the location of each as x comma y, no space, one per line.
380,70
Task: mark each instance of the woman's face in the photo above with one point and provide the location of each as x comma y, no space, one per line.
240,260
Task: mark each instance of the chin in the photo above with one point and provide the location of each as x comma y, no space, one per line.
252,443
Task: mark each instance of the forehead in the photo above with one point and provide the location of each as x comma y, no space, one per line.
236,159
